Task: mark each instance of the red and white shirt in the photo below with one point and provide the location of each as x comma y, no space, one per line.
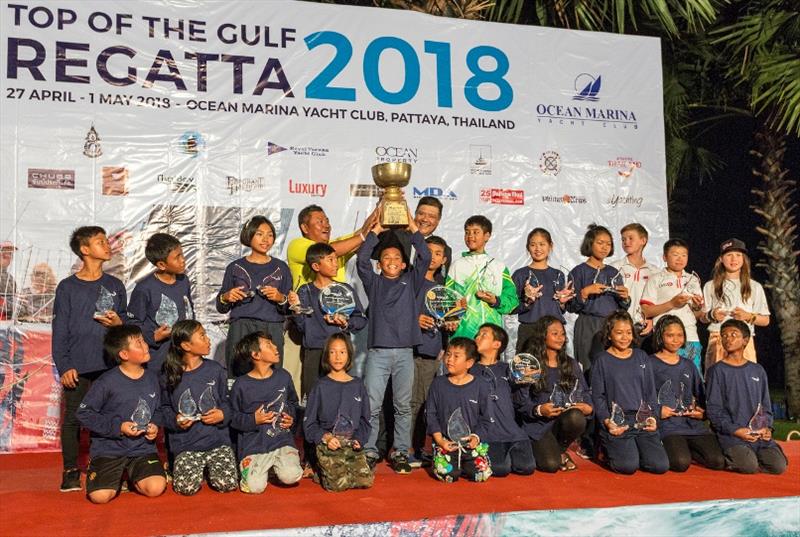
635,280
662,286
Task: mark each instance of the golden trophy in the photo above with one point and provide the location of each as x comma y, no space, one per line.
392,177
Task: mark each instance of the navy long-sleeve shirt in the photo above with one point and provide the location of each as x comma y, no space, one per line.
330,399
625,381
313,326
111,400
251,276
432,341
601,305
686,373
247,395
733,395
152,303
77,336
198,437
444,398
543,305
393,314
502,425
526,400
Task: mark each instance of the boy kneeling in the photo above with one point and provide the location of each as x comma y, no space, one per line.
119,410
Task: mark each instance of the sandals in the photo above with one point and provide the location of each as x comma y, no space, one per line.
567,464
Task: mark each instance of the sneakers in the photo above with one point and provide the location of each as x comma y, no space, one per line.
71,480
414,462
400,464
373,459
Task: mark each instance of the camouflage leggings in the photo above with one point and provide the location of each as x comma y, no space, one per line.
190,467
343,469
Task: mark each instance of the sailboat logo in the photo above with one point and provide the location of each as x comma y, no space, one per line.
586,87
480,159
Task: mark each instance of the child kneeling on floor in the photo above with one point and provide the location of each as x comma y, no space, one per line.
458,414
263,404
120,410
337,420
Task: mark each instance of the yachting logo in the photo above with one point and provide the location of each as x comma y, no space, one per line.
616,201
308,189
480,160
625,166
586,90
435,192
365,190
392,153
115,180
566,199
191,143
245,184
587,87
550,163
91,146
274,149
53,179
502,196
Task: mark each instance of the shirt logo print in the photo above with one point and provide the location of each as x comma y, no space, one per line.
357,398
152,394
755,379
473,401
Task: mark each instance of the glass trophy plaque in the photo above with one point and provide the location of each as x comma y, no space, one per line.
617,280
458,430
666,395
617,415
272,279
643,415
759,421
531,283
525,368
167,314
337,299
575,395
141,415
104,302
562,284
187,407
243,280
277,405
343,429
444,304
557,397
207,400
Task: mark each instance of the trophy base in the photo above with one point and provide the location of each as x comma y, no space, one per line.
395,213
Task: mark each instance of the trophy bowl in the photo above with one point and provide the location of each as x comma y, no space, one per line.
392,177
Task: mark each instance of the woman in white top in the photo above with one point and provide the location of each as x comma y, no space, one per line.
731,294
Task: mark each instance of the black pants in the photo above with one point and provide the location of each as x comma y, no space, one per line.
312,369
242,327
568,426
510,457
70,426
703,449
748,459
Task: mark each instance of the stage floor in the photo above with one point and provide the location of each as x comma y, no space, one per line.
33,506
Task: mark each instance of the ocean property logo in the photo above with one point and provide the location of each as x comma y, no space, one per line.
586,90
587,87
393,153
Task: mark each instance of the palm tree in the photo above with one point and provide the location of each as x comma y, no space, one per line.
762,42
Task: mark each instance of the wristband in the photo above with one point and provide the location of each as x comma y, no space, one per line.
363,238
284,301
753,319
537,411
222,300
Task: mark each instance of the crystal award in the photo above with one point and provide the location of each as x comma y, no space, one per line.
617,280
141,415
666,396
343,429
167,314
525,368
337,299
575,395
243,280
759,421
299,308
557,397
187,407
444,304
207,401
691,284
105,302
272,279
643,415
563,283
531,283
458,430
617,415
277,405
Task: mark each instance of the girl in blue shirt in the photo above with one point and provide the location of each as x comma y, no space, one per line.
683,433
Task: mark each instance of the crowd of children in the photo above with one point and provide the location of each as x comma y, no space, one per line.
238,423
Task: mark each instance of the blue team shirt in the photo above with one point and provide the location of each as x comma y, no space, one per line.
502,420
432,340
543,305
683,372
625,381
444,398
313,326
251,276
330,399
601,305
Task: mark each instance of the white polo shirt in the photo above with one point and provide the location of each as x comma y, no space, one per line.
732,299
635,280
661,287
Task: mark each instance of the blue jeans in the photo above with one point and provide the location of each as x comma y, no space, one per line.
399,364
633,450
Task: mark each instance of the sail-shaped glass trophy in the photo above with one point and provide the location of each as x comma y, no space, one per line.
141,415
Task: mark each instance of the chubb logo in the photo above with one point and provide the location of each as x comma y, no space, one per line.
435,192
586,90
397,154
47,178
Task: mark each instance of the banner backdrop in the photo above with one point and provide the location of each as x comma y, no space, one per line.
191,116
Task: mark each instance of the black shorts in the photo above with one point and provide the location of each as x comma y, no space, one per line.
105,473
